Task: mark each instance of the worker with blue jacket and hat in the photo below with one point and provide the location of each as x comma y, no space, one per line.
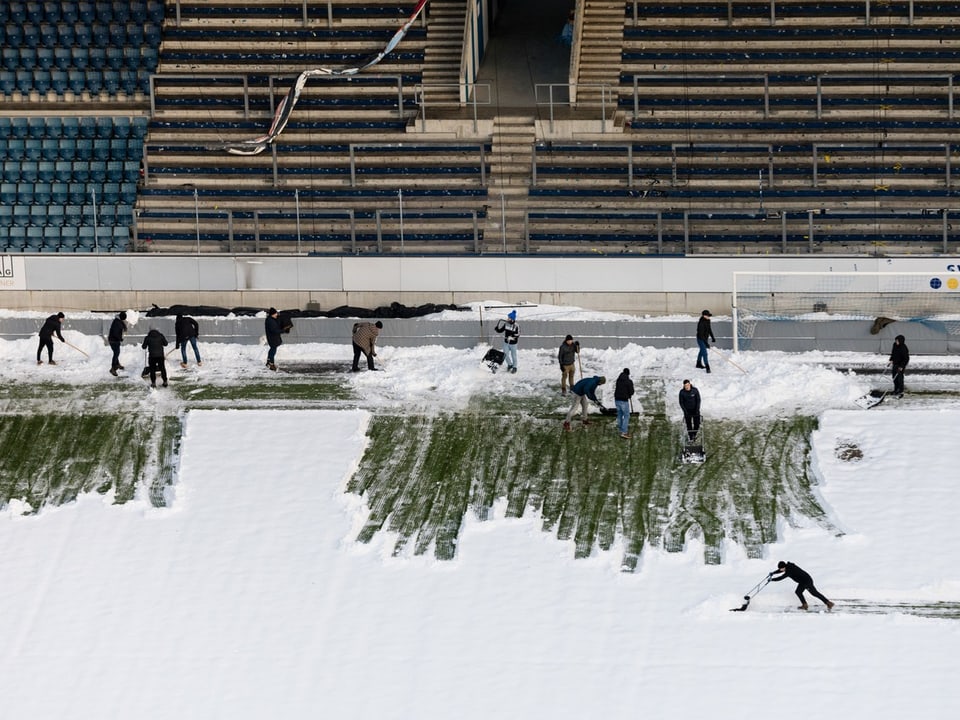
511,334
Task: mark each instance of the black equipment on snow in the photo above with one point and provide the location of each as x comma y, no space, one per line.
752,593
493,359
691,448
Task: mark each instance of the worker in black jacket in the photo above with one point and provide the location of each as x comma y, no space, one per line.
704,336
690,404
50,328
115,337
154,343
803,580
899,357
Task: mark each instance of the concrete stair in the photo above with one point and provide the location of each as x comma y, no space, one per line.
441,62
601,47
511,167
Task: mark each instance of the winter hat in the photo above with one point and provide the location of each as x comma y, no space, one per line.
272,311
123,315
707,313
900,339
378,324
60,315
568,337
626,371
512,315
602,380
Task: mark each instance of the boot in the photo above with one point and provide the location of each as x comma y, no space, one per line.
183,365
566,425
51,362
829,605
271,366
699,365
803,607
707,368
113,371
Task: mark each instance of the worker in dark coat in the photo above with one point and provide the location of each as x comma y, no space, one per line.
274,332
115,337
567,357
622,392
187,331
154,343
690,404
582,391
364,340
704,335
803,580
899,357
50,328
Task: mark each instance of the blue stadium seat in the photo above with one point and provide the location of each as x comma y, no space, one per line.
80,59
98,56
25,81
73,214
101,149
21,215
94,81
53,126
110,193
68,238
10,56
32,148
69,12
14,33
31,37
151,35
59,81
34,239
114,171
25,192
38,212
100,34
36,127
18,127
134,33
77,193
42,81
131,57
84,37
51,11
71,127
115,58
65,35
128,193
35,12
121,10
131,170
150,59
129,81
17,11
16,149
28,171
63,58
77,80
111,81
50,148
51,238
88,127
118,34
8,81
105,126
81,171
87,238
4,130
107,214
121,126
121,237
46,171
17,238
28,58
45,58
125,215
8,194
86,12
98,171
6,215
84,148
104,10
55,214
59,193
48,35
11,170
155,10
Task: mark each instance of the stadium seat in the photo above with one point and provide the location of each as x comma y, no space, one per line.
8,194
150,59
65,35
34,239
21,215
32,148
81,171
131,57
68,238
28,171
59,193
71,127
28,58
94,81
98,171
134,33
104,10
11,58
18,127
86,12
111,193
129,82
51,11
25,192
51,238
31,37
55,215
45,59
118,34
114,171
34,13
73,214
151,35
36,127
50,148
59,81
45,171
8,81
42,81
69,12
77,193
100,34
38,212
87,238
98,56
83,39
121,10
63,170
121,126
101,149
48,36
111,81
25,81
115,58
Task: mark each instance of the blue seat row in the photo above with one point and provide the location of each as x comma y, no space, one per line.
80,58
84,238
72,126
76,81
60,215
140,11
55,149
77,193
46,171
67,36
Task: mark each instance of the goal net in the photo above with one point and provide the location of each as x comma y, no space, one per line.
880,298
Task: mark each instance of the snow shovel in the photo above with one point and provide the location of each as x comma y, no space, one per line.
752,593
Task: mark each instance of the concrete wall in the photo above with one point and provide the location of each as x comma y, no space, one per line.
639,285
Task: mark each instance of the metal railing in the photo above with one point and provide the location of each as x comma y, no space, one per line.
608,95
868,5
468,90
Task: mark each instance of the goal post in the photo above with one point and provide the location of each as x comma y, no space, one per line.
808,297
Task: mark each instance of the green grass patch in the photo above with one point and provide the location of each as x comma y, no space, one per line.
422,474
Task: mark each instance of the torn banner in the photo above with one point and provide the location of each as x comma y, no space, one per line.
285,108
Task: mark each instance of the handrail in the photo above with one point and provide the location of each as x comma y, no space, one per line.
466,89
607,93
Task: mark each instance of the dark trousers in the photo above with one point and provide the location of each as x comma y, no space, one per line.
812,590
898,381
158,363
357,352
693,423
115,363
272,354
45,343
702,357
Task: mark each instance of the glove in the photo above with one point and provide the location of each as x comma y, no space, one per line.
576,346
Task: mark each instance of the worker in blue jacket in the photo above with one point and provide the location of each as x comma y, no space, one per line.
582,391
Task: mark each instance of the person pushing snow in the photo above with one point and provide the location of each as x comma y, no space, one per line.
803,580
